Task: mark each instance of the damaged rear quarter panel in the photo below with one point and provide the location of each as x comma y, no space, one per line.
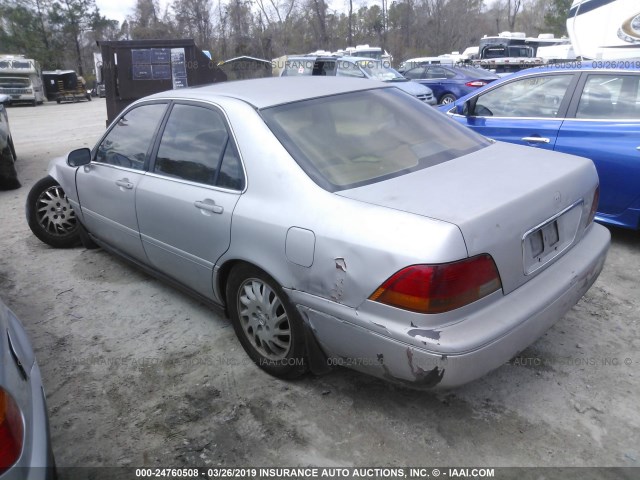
357,245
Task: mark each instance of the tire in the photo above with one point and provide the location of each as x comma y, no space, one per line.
50,215
256,306
447,98
8,174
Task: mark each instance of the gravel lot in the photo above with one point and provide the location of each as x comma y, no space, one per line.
139,374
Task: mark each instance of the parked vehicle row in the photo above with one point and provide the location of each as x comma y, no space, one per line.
337,218
582,110
354,67
449,82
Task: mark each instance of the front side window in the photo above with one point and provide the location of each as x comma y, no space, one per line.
610,96
538,97
354,139
128,142
196,147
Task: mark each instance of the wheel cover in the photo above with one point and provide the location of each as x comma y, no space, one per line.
264,319
447,100
54,212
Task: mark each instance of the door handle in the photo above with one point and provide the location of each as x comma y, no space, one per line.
637,148
535,140
208,205
124,183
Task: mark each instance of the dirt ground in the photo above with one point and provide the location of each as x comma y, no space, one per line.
139,374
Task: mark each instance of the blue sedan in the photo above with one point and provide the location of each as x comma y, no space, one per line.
583,110
450,82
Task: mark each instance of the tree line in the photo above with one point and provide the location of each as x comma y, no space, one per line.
63,33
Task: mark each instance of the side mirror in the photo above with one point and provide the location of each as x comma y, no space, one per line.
5,99
79,157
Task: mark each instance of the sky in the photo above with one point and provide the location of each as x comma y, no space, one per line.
119,9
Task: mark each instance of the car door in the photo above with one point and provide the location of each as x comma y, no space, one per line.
107,186
527,110
604,125
186,201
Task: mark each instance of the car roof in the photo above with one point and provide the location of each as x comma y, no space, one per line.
269,92
620,66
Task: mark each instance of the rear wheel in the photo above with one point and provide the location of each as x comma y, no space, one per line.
447,99
50,215
268,326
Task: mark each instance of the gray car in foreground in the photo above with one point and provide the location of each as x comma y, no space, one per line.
25,445
339,222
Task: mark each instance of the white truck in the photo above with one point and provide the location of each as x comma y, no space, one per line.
21,79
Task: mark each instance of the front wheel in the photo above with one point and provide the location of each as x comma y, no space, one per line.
447,99
269,328
50,215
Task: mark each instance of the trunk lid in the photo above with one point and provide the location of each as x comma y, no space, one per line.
508,201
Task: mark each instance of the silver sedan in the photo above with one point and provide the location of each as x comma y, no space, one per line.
339,222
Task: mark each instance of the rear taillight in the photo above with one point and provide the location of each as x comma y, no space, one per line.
11,431
477,83
594,205
440,288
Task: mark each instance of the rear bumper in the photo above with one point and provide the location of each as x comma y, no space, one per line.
464,351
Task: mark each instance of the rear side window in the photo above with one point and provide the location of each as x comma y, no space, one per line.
439,72
414,73
344,141
610,96
196,147
128,142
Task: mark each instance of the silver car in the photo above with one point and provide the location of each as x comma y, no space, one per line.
25,445
339,222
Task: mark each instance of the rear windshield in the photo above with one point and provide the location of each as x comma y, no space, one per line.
349,140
